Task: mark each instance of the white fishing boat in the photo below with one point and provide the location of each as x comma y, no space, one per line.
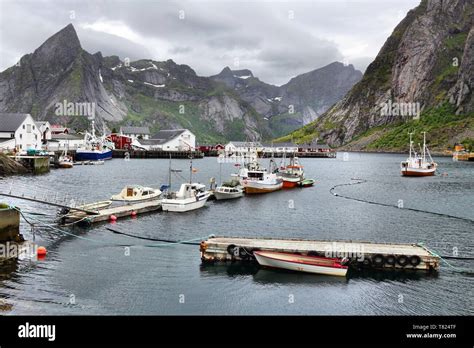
291,174
228,192
255,179
190,196
416,164
295,262
136,193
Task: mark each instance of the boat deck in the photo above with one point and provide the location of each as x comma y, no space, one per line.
119,211
216,249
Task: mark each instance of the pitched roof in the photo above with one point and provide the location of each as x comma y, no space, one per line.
168,134
134,130
10,122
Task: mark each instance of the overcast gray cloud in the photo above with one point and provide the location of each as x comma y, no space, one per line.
275,39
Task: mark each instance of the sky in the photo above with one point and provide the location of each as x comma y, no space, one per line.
276,40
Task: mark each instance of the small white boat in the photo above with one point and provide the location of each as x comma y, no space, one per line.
65,161
419,165
190,196
295,262
136,193
228,192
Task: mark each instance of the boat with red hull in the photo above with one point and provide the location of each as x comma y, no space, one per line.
301,263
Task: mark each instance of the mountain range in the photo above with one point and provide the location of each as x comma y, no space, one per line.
163,94
427,62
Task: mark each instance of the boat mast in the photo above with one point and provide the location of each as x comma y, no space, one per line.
190,166
424,147
411,144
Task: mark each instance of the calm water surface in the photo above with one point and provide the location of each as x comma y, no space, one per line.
101,279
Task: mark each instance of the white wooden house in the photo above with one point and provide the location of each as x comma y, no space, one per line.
19,131
168,140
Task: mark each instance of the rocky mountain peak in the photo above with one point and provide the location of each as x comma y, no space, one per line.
62,47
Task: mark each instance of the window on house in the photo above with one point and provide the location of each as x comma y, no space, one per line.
23,126
12,135
28,128
21,136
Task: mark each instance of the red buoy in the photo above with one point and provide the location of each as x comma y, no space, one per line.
41,252
112,218
134,213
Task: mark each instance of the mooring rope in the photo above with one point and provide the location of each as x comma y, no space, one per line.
363,181
442,258
164,242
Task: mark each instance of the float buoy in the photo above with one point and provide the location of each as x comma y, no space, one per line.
134,213
41,252
112,218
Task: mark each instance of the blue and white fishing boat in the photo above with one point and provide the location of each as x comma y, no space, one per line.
94,148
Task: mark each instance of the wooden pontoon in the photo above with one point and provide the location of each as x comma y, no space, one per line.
361,254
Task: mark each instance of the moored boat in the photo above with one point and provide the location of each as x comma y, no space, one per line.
65,160
301,263
136,193
255,179
94,148
307,182
190,196
292,174
418,165
228,192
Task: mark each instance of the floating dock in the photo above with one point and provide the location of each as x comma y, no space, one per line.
119,212
360,254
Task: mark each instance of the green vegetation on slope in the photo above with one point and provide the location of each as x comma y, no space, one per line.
440,123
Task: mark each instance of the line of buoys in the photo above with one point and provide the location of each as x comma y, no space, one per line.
362,181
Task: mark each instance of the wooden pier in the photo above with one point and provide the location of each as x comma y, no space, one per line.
119,212
361,254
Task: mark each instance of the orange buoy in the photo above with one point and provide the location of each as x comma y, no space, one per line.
41,252
134,213
112,218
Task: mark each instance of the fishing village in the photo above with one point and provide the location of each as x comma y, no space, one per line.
57,147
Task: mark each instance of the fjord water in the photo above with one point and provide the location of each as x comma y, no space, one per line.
88,274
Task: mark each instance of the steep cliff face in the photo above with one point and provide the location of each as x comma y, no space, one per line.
426,61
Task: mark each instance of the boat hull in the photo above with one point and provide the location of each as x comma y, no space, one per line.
93,155
289,184
66,165
254,187
418,172
222,196
181,206
297,263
